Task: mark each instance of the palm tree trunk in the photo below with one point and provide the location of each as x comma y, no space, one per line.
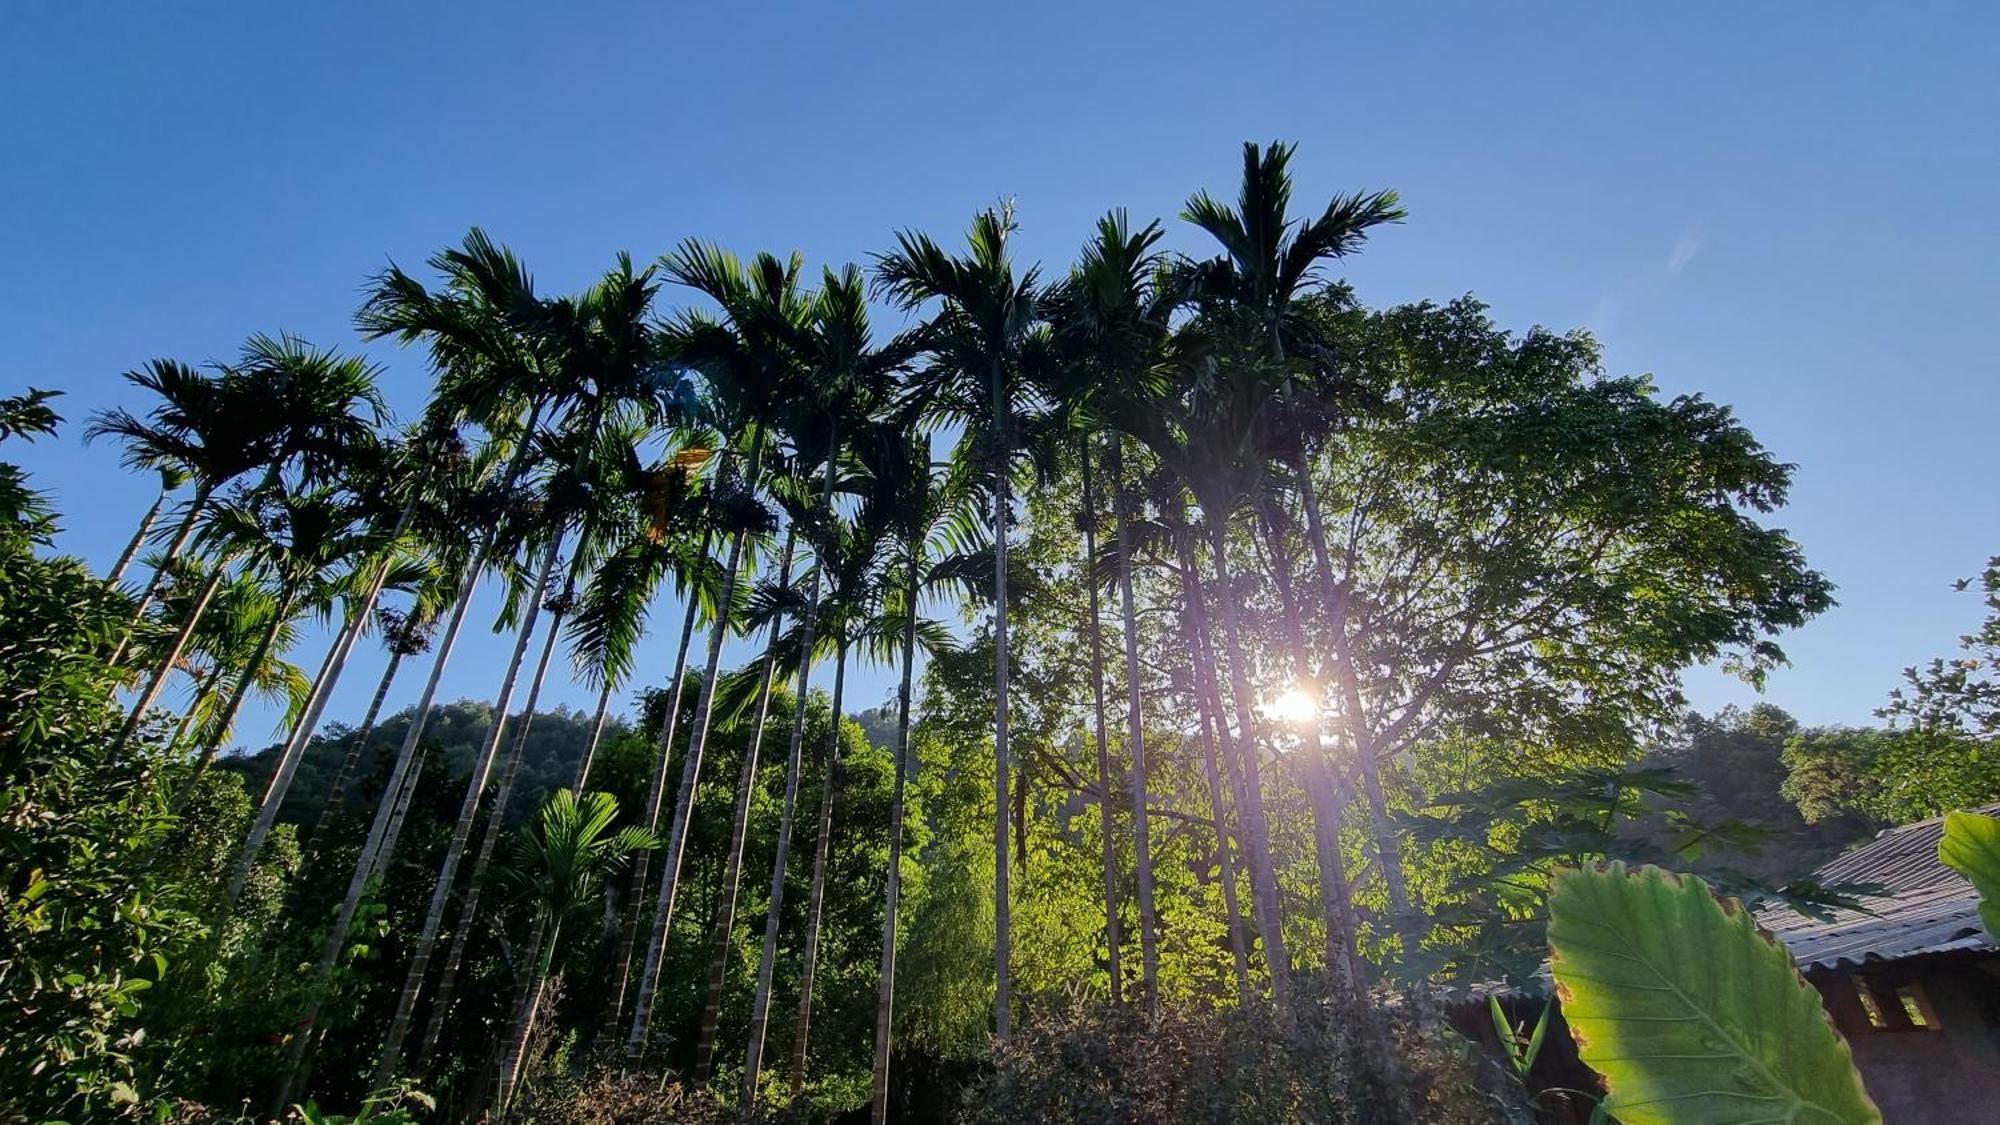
245,680
670,869
1208,707
641,862
724,929
401,787
496,824
885,989
1149,926
596,735
302,732
676,842
159,681
356,747
514,1054
1336,900
1104,790
117,574
201,694
388,820
1388,848
760,1004
322,683
468,810
1003,987
182,534
385,851
1256,829
816,899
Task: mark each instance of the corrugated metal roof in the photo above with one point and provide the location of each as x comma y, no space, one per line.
1927,907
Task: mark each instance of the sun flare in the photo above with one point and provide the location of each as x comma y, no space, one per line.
1295,707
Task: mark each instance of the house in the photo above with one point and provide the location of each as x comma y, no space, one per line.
1914,983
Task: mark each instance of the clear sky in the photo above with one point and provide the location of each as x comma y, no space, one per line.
1790,208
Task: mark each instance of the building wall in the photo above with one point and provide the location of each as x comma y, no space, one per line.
1948,1076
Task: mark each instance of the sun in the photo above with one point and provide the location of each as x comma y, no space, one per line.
1295,707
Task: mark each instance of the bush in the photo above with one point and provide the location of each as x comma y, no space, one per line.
1340,1062
605,1096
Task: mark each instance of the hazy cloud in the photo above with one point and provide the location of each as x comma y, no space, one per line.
1686,247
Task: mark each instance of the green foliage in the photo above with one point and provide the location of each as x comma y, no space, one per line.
1960,695
1499,846
1193,1063
1527,553
562,862
1522,1051
1889,776
1736,759
89,920
1693,1015
24,513
401,1104
1971,847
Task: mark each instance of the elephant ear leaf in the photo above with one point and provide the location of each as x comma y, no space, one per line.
1971,847
1692,1014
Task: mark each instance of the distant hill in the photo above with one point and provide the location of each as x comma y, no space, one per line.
556,742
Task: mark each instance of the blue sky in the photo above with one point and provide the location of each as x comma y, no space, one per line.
1788,208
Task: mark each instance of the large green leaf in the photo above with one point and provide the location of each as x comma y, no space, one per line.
1971,847
1693,1015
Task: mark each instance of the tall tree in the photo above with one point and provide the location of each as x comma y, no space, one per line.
781,598
196,431
749,361
933,515
314,412
1111,319
1249,298
988,319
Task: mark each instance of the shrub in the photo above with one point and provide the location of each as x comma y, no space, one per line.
1339,1062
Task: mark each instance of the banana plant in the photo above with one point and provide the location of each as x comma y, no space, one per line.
1689,1011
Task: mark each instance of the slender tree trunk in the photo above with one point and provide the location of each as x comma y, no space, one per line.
359,745
596,736
1135,731
489,842
182,534
201,694
1208,707
173,658
676,842
385,852
117,574
389,812
1094,627
401,786
1256,829
760,1004
302,732
1003,765
321,684
1388,848
885,989
244,682
413,980
816,899
1336,901
724,930
295,748
641,863
514,1054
